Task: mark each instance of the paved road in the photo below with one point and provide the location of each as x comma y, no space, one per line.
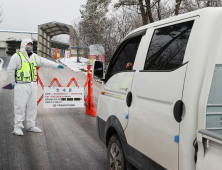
68,140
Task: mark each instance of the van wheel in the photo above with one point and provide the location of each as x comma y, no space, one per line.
115,155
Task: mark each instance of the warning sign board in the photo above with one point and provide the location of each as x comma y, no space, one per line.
63,97
92,59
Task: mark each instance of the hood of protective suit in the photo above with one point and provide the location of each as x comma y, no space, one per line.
23,45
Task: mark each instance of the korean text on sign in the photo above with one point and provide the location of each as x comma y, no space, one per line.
63,97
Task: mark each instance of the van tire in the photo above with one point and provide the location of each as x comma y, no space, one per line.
115,154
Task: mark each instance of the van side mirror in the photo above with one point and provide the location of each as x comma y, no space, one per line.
98,70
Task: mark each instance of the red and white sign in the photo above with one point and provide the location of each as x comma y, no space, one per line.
101,58
96,50
63,97
66,54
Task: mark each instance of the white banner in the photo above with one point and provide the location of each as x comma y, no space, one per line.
63,97
96,49
66,54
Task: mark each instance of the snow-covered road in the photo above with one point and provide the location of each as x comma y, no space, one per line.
73,65
69,137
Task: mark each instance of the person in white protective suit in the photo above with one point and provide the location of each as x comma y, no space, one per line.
22,75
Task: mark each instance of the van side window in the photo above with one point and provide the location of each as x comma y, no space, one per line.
126,55
168,46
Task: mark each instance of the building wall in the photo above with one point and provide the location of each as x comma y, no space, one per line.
4,35
17,35
3,44
3,48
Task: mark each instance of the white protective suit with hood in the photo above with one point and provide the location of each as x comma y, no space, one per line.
25,95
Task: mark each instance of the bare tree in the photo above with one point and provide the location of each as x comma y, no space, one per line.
108,31
162,10
98,26
177,6
152,10
191,5
144,8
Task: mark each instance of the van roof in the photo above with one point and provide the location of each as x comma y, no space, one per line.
208,11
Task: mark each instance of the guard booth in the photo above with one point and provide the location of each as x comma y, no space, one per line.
45,34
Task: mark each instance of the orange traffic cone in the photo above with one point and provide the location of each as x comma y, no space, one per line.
56,51
90,107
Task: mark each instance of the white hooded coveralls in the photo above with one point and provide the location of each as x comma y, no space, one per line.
25,95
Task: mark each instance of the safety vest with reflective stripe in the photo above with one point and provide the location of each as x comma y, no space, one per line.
28,72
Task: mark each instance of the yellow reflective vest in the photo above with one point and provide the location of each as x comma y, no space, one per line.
28,72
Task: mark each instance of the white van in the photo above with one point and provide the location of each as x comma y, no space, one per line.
165,112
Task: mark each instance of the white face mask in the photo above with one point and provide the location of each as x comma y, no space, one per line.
28,49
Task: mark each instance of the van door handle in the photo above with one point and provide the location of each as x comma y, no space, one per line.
178,111
129,98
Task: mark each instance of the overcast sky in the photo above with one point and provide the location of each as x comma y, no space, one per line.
26,15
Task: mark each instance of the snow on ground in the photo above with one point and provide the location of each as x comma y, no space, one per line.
73,65
77,67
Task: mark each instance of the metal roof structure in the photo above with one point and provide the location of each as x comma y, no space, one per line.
55,28
60,45
47,31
